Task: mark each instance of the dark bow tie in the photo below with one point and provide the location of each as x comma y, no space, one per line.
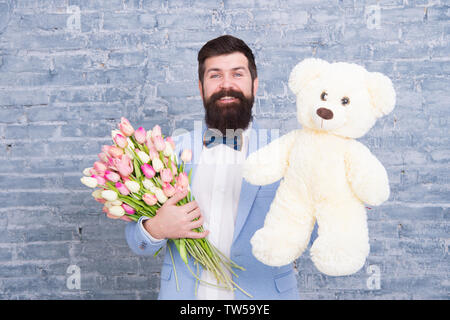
213,137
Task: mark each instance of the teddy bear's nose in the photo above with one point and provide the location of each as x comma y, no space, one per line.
325,113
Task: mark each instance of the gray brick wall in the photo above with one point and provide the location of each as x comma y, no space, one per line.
70,68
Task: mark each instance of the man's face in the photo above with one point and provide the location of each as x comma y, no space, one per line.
228,91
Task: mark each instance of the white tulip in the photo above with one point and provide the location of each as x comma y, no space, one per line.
109,204
89,182
132,186
87,172
168,151
129,153
160,195
145,158
148,184
157,164
116,211
97,194
109,195
149,135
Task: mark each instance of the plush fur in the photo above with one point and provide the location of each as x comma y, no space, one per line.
327,176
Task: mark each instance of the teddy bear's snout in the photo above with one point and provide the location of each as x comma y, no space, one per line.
325,113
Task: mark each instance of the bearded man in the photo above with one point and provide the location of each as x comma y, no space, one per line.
229,208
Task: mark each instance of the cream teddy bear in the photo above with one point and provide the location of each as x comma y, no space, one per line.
328,176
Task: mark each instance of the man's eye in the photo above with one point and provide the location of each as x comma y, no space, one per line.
238,75
214,76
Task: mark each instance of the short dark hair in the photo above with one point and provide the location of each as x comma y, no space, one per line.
225,45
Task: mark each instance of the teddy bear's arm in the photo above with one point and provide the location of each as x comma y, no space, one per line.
268,164
366,175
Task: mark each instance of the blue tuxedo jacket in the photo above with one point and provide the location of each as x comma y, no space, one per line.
261,281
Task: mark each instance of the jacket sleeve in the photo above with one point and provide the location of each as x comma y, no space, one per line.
140,241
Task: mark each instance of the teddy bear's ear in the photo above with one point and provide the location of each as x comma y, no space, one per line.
382,93
306,71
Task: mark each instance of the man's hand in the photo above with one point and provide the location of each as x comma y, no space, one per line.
173,222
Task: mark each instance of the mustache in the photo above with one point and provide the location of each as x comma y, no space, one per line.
226,93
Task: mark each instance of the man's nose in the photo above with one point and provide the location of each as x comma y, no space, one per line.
226,82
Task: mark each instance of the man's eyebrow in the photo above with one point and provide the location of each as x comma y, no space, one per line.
218,69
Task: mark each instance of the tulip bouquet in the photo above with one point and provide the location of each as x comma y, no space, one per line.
136,175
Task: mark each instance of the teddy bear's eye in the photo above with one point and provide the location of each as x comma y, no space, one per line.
323,96
345,101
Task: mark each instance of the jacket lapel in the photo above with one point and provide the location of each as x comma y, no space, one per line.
248,191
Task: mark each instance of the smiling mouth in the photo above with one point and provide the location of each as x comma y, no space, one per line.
228,99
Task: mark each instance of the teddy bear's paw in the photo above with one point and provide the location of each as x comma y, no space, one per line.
335,257
269,247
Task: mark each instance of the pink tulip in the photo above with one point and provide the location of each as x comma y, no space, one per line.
128,209
149,143
148,170
120,140
124,165
169,190
115,152
149,199
103,157
182,180
156,132
140,135
122,188
100,200
100,167
125,126
93,172
172,143
105,209
166,175
111,176
160,145
153,153
186,155
100,180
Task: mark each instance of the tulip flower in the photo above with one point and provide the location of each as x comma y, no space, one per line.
157,164
166,175
186,155
140,135
125,126
149,199
103,156
128,209
122,188
116,211
172,143
182,180
100,167
109,195
153,153
100,180
112,176
124,165
133,186
143,156
148,184
169,190
160,195
159,143
115,152
89,182
87,172
97,194
156,132
109,204
121,141
148,171
168,151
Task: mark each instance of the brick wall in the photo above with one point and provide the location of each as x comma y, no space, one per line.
69,69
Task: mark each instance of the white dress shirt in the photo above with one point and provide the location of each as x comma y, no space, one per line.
216,188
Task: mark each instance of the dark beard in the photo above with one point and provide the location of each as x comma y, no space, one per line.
236,115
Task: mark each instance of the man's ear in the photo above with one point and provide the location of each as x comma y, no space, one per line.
200,87
255,86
